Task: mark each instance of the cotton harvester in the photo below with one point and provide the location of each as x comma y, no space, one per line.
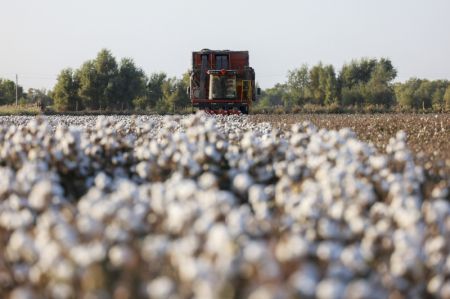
222,82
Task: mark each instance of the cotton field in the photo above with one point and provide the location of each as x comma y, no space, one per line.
216,207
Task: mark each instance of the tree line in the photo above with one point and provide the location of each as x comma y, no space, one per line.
360,83
105,84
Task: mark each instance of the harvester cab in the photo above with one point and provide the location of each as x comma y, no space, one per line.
222,81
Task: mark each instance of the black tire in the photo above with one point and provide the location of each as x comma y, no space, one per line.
244,109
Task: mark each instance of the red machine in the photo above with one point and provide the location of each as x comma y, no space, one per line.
222,81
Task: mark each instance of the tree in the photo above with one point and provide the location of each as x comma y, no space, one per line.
89,91
323,84
406,93
353,96
174,93
107,71
329,85
130,84
379,90
39,96
275,96
99,81
298,84
8,92
154,88
367,81
357,72
437,98
447,98
65,92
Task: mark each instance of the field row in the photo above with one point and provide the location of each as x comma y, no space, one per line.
222,207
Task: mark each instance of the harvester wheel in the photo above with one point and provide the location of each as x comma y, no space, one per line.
244,109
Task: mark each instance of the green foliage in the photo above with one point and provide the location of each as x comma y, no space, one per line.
140,103
8,92
367,81
364,85
422,94
39,96
154,88
353,96
162,107
100,82
447,98
89,91
130,85
19,110
65,92
174,93
275,96
317,85
297,85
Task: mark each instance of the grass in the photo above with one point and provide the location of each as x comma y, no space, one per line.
19,110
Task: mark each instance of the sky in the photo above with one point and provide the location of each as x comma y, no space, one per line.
40,38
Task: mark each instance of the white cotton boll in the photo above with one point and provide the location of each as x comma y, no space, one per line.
102,181
35,274
6,180
295,247
254,251
329,250
305,280
65,234
189,269
207,181
160,288
352,258
154,247
61,290
186,189
89,226
261,293
359,289
378,162
237,218
24,218
22,293
49,255
435,284
257,193
176,217
86,254
219,241
20,245
116,233
401,135
63,270
120,255
41,195
212,153
330,289
445,290
328,229
242,182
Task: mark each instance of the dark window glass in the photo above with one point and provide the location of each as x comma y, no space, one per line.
221,62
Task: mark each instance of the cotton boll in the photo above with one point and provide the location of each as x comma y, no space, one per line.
120,255
242,182
330,289
42,194
160,288
23,293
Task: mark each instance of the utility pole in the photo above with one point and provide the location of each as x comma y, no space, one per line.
17,90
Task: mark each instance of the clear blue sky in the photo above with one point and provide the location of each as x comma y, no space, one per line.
39,38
